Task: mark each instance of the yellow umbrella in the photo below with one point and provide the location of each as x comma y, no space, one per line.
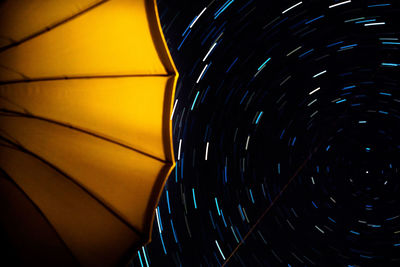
86,91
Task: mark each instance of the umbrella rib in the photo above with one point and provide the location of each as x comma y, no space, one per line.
8,177
44,79
47,29
23,149
10,112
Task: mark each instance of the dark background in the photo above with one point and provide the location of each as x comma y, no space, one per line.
317,175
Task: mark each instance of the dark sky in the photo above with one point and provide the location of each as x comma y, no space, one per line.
286,135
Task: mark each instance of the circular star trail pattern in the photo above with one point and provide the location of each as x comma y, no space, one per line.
286,134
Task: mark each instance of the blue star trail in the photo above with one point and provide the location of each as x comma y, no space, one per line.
286,135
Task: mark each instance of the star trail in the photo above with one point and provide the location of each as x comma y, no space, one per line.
286,135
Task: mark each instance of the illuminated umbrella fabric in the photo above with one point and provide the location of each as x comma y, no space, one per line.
86,91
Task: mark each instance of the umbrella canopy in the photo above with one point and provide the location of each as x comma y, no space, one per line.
86,91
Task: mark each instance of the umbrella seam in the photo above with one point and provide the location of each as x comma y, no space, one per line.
168,75
20,114
49,28
8,177
120,218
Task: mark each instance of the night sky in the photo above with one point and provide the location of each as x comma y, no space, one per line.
286,135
